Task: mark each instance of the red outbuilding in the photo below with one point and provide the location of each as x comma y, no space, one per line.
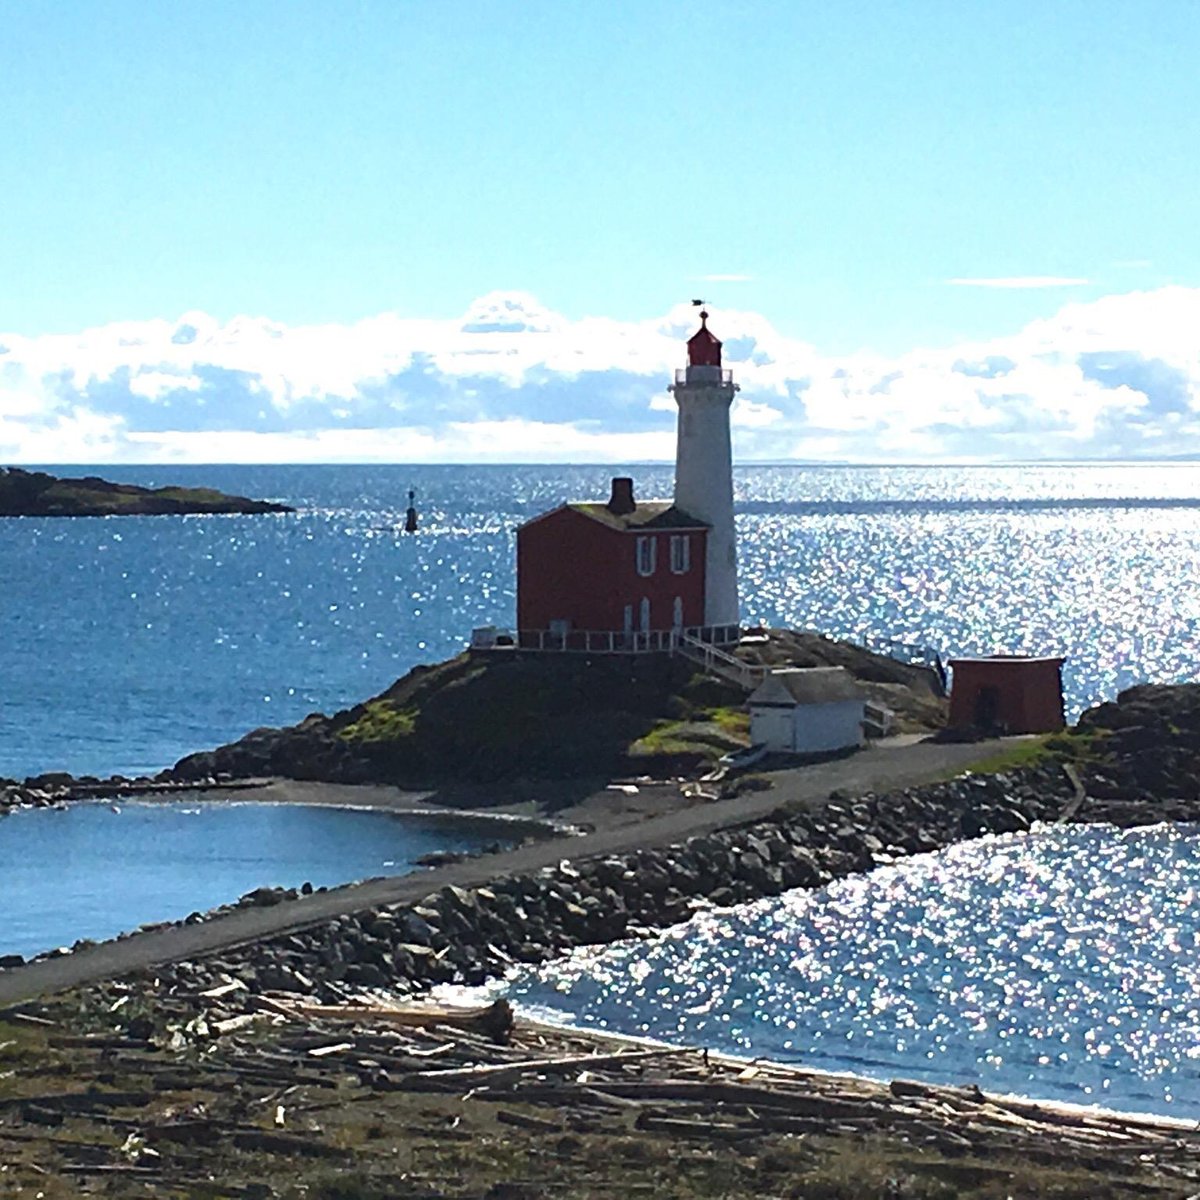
1009,692
621,569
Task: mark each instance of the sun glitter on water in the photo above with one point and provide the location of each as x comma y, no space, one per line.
1060,964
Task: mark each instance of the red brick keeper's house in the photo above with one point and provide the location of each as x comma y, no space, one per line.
624,567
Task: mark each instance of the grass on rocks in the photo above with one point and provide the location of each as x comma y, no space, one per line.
483,719
382,721
1068,746
512,716
707,735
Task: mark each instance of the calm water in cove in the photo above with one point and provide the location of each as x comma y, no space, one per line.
1061,964
130,642
90,871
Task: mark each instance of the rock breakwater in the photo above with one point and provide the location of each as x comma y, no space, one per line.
1139,759
469,935
58,787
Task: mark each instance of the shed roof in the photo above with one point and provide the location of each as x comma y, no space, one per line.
1008,660
806,685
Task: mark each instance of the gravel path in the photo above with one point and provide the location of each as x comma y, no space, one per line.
887,766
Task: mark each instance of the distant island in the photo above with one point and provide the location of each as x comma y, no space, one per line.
37,494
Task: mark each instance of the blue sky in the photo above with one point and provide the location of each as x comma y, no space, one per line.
327,161
840,164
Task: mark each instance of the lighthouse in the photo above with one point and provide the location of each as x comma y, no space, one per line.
704,391
628,575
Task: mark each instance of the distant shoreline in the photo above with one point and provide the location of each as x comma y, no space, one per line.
38,494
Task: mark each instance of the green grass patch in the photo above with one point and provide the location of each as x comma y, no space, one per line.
702,735
734,721
1067,746
1029,752
382,721
1077,745
18,1041
21,1047
192,495
667,737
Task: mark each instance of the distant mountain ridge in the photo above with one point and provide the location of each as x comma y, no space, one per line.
38,494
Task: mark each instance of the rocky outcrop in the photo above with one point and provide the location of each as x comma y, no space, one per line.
1141,753
468,935
489,718
36,494
481,719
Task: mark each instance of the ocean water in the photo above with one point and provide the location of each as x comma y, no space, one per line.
1060,964
129,642
94,870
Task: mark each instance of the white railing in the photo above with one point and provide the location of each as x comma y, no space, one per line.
877,720
703,374
600,641
717,662
698,644
593,641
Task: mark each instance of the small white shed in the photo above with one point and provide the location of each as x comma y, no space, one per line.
807,710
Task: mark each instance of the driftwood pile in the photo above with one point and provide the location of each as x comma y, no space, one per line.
266,1080
694,1094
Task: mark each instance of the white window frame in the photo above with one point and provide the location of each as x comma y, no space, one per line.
647,553
681,553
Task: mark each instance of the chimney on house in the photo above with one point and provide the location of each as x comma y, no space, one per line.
621,502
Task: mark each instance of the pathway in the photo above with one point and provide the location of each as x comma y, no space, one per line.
886,766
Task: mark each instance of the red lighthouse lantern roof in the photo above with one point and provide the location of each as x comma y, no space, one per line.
704,349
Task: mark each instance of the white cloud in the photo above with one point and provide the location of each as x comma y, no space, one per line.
513,381
1021,281
480,441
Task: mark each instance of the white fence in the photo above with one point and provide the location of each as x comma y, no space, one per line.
596,641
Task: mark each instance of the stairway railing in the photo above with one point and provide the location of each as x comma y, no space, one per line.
717,662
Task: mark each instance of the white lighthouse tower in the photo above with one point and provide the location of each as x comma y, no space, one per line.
704,391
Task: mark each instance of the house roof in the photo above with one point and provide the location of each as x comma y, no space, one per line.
806,685
646,514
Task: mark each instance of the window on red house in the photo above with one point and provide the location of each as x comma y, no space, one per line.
646,552
681,553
